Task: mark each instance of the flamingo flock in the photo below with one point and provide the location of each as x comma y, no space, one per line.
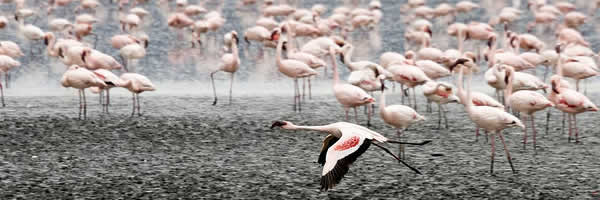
303,40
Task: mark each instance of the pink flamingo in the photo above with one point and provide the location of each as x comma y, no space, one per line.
398,116
488,118
344,143
350,96
136,84
525,102
111,81
568,101
81,78
6,64
291,68
230,63
440,93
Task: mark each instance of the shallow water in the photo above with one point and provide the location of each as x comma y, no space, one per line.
184,147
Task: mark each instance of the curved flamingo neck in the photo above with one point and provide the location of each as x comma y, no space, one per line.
336,76
278,53
235,52
348,55
509,87
465,99
492,53
382,102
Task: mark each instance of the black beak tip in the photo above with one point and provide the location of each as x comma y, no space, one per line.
277,124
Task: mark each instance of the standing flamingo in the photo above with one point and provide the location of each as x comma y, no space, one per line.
6,63
440,93
230,63
111,81
291,68
81,78
344,143
524,101
488,118
136,84
567,100
350,96
399,116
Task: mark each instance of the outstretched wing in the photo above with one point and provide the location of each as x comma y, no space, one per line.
327,142
341,155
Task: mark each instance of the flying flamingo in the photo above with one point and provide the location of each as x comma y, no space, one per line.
488,118
291,68
230,63
398,116
81,78
136,84
525,102
344,143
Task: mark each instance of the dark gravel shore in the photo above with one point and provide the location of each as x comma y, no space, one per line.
182,147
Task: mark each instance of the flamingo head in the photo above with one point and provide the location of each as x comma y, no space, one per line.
459,61
555,82
275,34
282,124
368,99
591,107
511,121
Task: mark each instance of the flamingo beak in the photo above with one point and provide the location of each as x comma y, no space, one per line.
278,124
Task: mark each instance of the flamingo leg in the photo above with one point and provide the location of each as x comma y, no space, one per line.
80,104
107,99
401,147
355,115
2,94
563,124
298,95
476,134
369,115
575,127
523,118
309,89
439,116
84,105
414,94
212,80
231,87
548,119
133,108
304,88
402,92
429,108
570,127
6,77
493,143
137,97
533,130
545,74
507,152
346,110
445,117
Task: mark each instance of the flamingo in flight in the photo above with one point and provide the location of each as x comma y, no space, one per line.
344,143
